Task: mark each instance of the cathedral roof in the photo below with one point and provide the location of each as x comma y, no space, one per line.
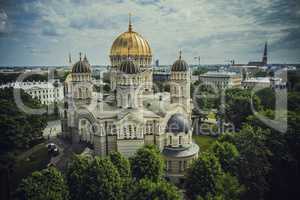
179,65
130,43
129,67
181,152
178,123
82,66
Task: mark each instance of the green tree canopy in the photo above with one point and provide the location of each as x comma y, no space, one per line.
147,163
76,171
238,106
19,130
48,184
227,155
146,189
102,180
254,165
121,163
204,176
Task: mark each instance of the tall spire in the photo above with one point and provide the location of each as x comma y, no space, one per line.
180,52
265,56
70,59
129,25
80,56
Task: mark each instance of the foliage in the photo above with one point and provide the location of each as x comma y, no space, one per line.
204,141
204,176
294,101
238,106
254,165
285,149
147,163
121,163
102,180
76,176
267,98
12,77
228,156
205,97
19,130
293,80
230,188
146,189
200,71
48,184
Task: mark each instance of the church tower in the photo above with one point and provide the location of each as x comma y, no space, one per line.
180,83
81,82
265,56
128,82
140,54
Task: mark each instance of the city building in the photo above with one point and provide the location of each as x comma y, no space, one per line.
132,115
264,82
161,74
264,60
46,92
221,79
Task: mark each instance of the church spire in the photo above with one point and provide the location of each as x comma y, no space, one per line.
265,56
129,24
180,52
70,59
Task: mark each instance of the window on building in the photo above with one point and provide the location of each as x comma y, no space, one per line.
170,140
180,166
184,165
180,140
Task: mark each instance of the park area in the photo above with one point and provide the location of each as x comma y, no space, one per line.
204,141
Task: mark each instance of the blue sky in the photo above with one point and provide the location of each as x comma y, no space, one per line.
43,32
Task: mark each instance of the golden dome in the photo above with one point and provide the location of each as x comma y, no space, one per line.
130,43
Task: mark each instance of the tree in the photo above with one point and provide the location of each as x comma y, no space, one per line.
204,176
19,130
230,188
227,155
123,166
121,163
267,98
146,190
102,180
48,184
238,106
254,165
76,176
147,163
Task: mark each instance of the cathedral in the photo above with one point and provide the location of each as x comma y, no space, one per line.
132,115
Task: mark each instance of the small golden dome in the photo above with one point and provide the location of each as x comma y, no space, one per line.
130,43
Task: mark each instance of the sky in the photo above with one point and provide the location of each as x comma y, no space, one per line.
44,32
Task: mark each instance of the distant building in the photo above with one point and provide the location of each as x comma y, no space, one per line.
263,82
161,74
221,79
46,92
157,63
264,61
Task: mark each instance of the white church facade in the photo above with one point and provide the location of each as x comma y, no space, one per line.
132,115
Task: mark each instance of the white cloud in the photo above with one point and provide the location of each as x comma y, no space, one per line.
216,30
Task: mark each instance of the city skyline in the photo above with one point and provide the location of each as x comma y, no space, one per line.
44,32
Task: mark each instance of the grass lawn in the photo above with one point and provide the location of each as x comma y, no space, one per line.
211,115
34,159
204,141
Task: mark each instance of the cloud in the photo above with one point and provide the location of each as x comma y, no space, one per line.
3,21
214,29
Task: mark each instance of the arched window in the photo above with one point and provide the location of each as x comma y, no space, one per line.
129,101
